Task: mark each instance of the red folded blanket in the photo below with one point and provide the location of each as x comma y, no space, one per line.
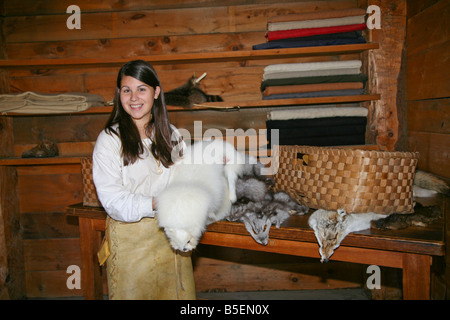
318,15
294,33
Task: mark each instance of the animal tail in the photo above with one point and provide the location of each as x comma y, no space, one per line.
213,98
429,181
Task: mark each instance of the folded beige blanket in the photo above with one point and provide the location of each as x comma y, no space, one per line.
312,87
289,25
308,66
319,15
317,111
309,73
35,103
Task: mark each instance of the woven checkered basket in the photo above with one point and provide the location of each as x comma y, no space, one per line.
89,193
355,180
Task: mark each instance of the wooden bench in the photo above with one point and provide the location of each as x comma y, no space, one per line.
409,249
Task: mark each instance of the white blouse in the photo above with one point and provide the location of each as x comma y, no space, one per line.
126,192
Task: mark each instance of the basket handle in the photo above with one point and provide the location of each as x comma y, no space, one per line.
301,159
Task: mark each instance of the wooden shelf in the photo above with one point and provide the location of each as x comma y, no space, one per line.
38,161
279,102
76,159
208,57
188,58
231,105
193,57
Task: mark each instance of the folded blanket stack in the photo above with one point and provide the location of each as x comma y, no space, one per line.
324,125
38,103
320,28
313,79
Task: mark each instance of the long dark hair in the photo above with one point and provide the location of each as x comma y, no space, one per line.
132,145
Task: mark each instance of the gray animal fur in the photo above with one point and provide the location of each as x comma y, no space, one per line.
258,207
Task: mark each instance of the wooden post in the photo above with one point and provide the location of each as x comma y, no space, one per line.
385,66
92,285
416,277
12,269
446,207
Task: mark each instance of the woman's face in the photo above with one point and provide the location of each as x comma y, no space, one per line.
137,99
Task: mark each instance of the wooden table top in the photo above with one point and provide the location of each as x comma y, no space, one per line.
420,240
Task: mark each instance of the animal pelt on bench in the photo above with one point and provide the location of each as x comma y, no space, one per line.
331,227
421,217
258,207
200,191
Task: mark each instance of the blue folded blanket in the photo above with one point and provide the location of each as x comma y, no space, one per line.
340,38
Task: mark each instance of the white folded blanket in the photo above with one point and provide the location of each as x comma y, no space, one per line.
317,112
35,103
308,66
309,73
320,23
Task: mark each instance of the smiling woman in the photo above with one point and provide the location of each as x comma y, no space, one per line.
131,166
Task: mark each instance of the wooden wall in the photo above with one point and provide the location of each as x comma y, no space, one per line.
428,100
36,29
428,84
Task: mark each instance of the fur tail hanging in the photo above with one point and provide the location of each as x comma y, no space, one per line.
213,98
429,181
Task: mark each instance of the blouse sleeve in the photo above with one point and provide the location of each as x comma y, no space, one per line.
118,202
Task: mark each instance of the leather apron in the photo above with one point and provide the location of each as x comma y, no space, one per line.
142,265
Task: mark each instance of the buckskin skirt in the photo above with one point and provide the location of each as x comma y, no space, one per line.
142,265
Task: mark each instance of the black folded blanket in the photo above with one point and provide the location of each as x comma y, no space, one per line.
331,131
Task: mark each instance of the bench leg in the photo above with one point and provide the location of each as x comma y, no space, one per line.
416,277
90,273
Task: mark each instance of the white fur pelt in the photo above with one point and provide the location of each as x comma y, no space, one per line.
200,191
